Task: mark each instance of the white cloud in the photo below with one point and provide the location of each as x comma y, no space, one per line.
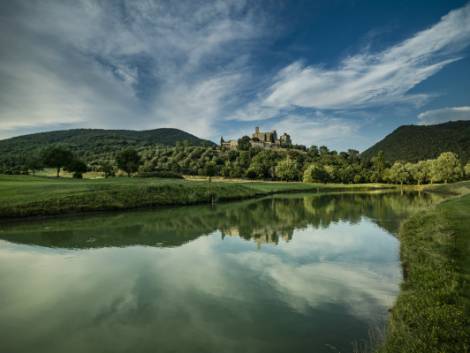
195,106
128,64
368,79
332,267
319,131
443,115
139,65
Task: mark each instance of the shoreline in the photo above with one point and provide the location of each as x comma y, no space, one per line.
24,197
431,313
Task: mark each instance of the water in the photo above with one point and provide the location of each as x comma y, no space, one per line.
296,273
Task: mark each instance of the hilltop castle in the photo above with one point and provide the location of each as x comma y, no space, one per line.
261,139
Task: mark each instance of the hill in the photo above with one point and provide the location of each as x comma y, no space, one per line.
412,143
95,142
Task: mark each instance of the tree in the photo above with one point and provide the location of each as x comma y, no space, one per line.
210,170
467,170
314,174
378,163
346,173
244,143
128,160
263,163
232,155
331,173
353,156
226,170
286,169
251,173
446,167
56,157
419,171
313,151
78,167
107,169
398,173
34,163
324,151
357,179
244,159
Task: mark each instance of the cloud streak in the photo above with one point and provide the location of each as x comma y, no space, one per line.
371,79
193,65
443,115
122,64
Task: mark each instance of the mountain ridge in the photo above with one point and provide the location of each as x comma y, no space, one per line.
88,142
412,143
123,132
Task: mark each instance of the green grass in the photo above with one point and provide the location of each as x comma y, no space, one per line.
432,312
25,196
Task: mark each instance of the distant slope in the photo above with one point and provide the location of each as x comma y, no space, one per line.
97,141
415,142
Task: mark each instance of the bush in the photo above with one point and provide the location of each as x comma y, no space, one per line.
315,174
251,173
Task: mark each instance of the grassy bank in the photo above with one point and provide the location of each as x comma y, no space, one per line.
26,196
432,312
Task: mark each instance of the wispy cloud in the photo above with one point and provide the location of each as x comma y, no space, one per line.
443,115
367,79
192,65
331,100
124,63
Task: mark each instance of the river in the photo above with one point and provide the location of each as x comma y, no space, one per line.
287,273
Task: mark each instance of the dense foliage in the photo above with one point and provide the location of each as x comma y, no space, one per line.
253,163
90,145
128,160
313,164
412,143
310,165
56,157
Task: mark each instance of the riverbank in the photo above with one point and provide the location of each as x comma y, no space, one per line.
432,312
28,196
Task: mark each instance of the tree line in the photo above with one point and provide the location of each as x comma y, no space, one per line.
313,164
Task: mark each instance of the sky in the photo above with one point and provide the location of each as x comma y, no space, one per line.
340,73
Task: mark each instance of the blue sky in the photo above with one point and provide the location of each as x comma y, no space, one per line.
340,73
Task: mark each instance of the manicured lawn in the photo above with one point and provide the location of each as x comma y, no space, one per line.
23,196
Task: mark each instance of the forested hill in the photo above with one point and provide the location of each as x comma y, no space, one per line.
97,141
418,142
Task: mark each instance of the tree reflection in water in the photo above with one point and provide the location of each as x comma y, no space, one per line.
264,221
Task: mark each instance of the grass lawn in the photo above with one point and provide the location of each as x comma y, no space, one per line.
23,196
457,214
432,312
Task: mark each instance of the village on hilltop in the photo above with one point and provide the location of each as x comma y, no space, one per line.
260,139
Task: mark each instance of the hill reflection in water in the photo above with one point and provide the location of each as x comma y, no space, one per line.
289,273
268,220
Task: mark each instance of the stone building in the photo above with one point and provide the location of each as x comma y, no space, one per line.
230,144
261,139
268,137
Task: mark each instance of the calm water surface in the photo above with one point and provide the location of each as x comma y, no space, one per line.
297,273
